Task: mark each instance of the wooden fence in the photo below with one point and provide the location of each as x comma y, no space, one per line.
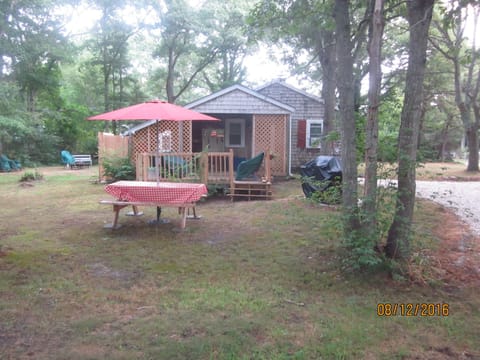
110,146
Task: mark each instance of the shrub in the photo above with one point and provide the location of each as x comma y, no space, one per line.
327,191
31,176
116,168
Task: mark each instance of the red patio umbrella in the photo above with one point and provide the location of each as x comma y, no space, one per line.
153,110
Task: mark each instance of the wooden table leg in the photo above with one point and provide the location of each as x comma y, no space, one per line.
183,212
116,210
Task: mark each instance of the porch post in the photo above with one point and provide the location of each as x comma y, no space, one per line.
204,167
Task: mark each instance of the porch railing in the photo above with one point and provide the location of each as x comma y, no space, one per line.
204,167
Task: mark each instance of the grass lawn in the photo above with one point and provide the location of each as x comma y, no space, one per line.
250,280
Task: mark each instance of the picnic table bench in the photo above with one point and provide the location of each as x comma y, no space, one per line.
119,205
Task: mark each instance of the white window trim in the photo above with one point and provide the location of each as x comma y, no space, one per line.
307,140
242,132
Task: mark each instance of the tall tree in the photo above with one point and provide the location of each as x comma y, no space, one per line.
228,31
451,43
307,27
185,46
375,80
346,91
31,46
441,128
31,49
419,15
109,45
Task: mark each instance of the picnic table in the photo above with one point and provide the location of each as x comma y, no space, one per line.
145,193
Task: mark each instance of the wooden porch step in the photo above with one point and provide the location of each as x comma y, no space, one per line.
251,190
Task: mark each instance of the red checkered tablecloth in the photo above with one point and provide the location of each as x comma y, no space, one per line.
160,193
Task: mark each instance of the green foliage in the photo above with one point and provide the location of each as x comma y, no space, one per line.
387,147
364,249
228,33
361,252
215,190
207,41
333,136
32,46
330,191
389,122
108,53
31,176
116,168
23,135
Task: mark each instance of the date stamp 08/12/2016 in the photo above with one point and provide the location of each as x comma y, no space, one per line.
413,309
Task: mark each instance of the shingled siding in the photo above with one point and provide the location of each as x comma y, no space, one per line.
237,102
306,107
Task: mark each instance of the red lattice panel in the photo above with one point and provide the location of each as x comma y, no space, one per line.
270,132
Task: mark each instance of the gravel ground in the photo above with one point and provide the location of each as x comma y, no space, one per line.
463,197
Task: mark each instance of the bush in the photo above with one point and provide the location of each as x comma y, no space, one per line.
364,247
327,191
31,176
331,195
119,169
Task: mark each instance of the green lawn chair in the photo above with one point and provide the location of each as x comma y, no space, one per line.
247,168
67,158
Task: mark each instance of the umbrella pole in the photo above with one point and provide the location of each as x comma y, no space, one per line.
157,156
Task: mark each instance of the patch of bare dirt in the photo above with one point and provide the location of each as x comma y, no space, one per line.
456,261
441,353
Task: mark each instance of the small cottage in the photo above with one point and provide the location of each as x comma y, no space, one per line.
277,117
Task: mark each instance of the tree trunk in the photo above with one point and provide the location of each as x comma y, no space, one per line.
419,17
443,146
472,139
31,99
169,87
371,151
106,78
327,56
474,132
346,89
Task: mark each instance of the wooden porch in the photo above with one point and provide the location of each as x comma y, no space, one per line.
209,168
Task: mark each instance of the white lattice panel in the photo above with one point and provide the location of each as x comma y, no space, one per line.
146,139
270,132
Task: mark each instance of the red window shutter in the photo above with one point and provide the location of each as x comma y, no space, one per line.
301,133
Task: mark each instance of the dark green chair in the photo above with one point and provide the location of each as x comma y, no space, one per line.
246,169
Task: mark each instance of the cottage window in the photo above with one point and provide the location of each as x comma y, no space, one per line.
235,129
314,133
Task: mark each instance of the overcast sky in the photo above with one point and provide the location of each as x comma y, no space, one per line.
261,67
